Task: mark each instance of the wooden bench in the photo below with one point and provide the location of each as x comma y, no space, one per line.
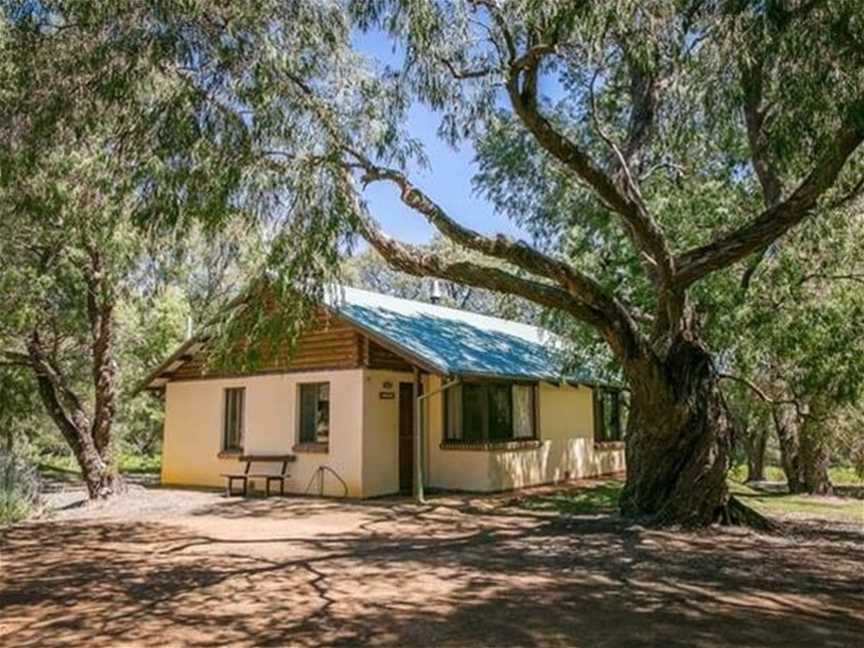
268,477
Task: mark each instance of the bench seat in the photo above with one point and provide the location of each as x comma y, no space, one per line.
268,477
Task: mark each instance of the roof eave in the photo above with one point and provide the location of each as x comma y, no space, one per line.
146,383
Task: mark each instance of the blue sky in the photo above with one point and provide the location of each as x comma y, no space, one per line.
447,180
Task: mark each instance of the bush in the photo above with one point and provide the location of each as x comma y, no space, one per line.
19,488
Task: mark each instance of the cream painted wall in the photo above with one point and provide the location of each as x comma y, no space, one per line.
450,469
364,436
193,429
567,451
381,432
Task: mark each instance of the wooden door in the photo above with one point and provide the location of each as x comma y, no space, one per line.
406,437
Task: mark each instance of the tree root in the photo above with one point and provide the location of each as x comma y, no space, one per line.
735,512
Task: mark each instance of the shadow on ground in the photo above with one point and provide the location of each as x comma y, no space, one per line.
459,571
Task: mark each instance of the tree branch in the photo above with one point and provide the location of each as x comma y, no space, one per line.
519,254
466,74
859,278
15,359
755,116
616,325
775,220
62,403
640,227
755,389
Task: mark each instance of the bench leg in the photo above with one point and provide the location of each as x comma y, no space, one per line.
282,487
229,487
266,487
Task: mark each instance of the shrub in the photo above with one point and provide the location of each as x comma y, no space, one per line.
19,488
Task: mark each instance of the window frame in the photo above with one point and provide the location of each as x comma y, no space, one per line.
300,419
485,436
241,419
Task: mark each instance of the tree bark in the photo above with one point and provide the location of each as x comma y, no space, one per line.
804,454
679,441
757,441
787,425
815,458
65,409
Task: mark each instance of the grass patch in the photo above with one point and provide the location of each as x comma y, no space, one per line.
602,499
839,475
65,468
14,508
140,464
780,504
583,500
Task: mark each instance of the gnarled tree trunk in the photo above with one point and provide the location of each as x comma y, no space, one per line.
67,412
815,458
679,441
787,425
804,455
90,441
757,442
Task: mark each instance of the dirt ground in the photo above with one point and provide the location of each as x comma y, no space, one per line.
191,568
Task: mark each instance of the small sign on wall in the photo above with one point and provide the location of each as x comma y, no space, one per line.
386,395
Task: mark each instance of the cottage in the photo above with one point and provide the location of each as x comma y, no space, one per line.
382,392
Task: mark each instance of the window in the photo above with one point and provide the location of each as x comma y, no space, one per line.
493,411
315,413
232,429
607,415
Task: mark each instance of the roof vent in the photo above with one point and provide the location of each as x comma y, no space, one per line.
435,292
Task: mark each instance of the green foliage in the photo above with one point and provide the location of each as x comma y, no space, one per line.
188,118
269,101
839,475
63,466
132,464
19,487
804,314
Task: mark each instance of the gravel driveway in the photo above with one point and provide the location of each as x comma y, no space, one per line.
140,499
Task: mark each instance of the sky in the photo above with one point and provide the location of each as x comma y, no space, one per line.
447,180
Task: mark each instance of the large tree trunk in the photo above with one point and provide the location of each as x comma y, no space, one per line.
757,442
65,409
815,458
804,455
787,425
97,471
679,441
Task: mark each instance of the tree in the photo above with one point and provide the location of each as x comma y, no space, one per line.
805,350
45,333
79,271
643,176
17,403
370,270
